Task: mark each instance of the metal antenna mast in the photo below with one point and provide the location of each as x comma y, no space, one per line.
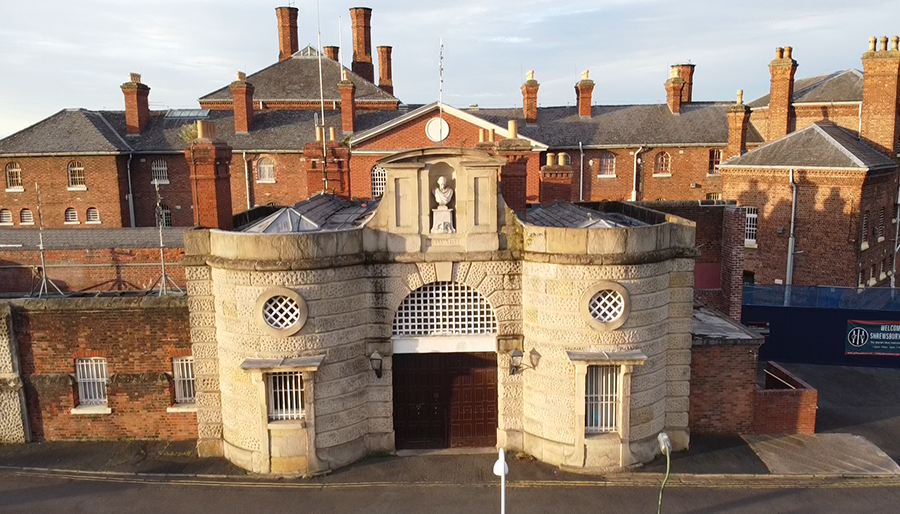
46,283
322,103
164,279
441,94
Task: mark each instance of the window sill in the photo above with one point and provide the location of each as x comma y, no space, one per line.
15,189
71,223
864,246
880,239
601,435
159,182
287,424
265,181
6,225
93,223
749,245
91,410
662,175
606,177
76,188
183,407
30,224
882,277
871,282
713,174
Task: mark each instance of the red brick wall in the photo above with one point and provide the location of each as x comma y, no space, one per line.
878,192
781,410
138,338
723,388
78,270
106,190
176,194
289,186
802,116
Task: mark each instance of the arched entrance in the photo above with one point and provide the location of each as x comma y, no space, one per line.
445,368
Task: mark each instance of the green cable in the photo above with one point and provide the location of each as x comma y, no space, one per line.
665,479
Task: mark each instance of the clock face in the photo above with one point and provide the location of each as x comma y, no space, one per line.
437,129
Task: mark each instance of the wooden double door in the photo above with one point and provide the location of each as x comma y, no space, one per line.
445,400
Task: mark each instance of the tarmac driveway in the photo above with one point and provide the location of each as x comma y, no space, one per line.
857,400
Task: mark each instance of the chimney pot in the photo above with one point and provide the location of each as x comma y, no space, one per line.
673,72
779,53
551,159
873,42
787,52
884,41
513,129
134,77
529,75
331,133
319,133
241,76
585,74
895,43
561,159
481,135
490,135
740,97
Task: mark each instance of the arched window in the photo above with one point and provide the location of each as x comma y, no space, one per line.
265,170
93,215
159,171
379,180
26,217
14,176
71,215
663,164
163,215
76,175
444,308
608,165
5,217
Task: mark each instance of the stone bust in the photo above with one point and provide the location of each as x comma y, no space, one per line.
442,193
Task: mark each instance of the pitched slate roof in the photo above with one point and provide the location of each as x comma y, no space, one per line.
67,238
564,214
69,131
840,86
818,146
297,79
320,212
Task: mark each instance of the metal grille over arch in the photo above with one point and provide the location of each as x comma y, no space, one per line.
444,308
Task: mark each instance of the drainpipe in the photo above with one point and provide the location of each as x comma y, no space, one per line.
130,194
247,180
581,186
859,131
634,191
896,241
789,279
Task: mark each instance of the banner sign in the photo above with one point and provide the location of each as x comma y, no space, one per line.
872,338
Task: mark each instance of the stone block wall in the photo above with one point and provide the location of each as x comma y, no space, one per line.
137,336
13,417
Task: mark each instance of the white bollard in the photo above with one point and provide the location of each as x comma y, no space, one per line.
501,470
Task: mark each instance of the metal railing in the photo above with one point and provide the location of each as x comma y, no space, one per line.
823,297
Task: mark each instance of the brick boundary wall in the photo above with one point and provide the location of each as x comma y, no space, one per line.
138,337
723,387
781,410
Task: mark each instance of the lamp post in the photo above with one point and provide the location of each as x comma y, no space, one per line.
501,470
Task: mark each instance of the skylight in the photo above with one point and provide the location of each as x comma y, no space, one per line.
187,113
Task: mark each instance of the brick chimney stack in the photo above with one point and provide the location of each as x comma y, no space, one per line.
361,18
348,103
556,179
288,42
881,87
781,93
385,80
738,118
332,52
514,174
686,72
674,89
137,104
529,98
584,88
210,160
242,101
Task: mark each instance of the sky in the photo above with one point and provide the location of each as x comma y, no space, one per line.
66,54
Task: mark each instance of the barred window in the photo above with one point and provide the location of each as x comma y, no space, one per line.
183,375
93,215
750,227
444,308
881,223
608,165
663,165
713,196
285,395
91,375
163,216
265,170
71,215
6,217
26,217
715,157
379,180
76,175
13,176
865,227
601,399
159,171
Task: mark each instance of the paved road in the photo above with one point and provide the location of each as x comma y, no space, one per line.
56,495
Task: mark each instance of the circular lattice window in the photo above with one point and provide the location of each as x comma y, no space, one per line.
605,305
281,312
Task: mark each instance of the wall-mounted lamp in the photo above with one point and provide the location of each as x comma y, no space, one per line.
515,360
376,360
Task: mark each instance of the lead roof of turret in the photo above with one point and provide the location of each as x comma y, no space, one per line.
319,212
563,214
